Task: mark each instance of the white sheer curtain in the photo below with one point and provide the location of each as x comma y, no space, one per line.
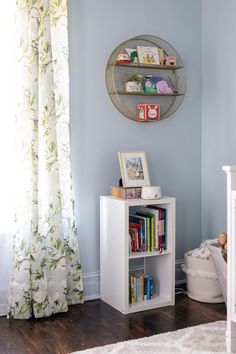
7,111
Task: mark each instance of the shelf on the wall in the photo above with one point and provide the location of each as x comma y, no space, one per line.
149,66
117,72
124,93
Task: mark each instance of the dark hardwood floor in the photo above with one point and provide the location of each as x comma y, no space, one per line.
95,323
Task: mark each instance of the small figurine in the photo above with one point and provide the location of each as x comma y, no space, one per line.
123,57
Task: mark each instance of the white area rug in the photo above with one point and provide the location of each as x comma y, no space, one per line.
207,338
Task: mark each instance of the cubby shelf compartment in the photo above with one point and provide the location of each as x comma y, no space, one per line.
116,261
126,102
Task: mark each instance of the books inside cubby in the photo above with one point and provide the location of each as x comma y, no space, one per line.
141,288
148,229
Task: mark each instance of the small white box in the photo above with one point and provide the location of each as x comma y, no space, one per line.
151,192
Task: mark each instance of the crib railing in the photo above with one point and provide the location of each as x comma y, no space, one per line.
231,258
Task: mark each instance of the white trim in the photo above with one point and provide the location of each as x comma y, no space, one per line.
91,284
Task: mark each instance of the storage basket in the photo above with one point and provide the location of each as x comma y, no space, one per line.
202,281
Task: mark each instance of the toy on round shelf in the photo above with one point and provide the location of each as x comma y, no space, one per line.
123,57
134,82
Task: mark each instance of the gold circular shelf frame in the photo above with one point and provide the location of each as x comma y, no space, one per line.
126,102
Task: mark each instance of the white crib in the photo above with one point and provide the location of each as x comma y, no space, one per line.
231,258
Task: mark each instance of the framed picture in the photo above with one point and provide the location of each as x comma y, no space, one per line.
134,169
148,55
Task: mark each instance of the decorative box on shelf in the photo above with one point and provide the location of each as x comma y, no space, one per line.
149,112
126,193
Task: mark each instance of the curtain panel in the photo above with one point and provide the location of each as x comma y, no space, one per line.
46,267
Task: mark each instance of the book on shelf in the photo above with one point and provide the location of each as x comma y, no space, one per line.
141,288
148,55
143,227
126,193
161,56
134,237
139,236
132,292
150,221
156,225
162,232
150,225
148,112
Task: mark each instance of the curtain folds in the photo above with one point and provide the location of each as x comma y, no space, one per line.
47,273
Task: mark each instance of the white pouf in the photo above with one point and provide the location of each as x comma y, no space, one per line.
202,280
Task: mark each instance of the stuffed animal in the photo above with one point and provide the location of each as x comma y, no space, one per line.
222,240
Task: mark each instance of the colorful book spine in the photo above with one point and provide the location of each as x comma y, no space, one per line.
162,232
142,221
151,288
139,237
141,288
134,239
155,214
150,217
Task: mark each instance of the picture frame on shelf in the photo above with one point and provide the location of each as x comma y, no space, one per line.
148,55
134,168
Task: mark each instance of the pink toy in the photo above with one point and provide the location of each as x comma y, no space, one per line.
162,87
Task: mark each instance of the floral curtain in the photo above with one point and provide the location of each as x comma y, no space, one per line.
46,268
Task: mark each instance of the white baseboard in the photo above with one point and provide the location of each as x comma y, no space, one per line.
92,281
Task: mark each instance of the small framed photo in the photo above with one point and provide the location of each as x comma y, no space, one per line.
148,55
134,169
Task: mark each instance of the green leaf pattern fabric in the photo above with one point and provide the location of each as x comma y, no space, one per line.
47,275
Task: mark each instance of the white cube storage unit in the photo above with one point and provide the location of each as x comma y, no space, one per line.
116,261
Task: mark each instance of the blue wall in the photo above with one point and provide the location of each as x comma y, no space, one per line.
98,130
218,109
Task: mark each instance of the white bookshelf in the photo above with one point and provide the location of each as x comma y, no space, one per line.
116,261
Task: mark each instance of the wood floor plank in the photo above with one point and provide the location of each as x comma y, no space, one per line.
96,323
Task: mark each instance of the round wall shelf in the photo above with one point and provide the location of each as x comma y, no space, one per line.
117,73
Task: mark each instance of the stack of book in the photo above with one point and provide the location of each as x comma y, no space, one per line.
147,229
140,288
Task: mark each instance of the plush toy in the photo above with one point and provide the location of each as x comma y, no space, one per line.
162,87
222,240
